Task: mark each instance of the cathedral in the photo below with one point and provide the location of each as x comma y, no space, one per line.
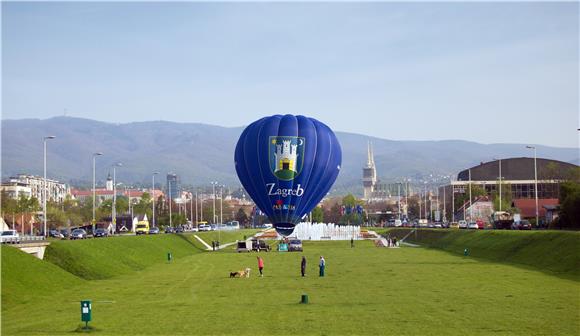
369,174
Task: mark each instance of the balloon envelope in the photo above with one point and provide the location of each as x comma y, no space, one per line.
287,164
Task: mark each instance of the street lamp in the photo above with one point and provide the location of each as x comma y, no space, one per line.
153,194
535,181
45,184
114,207
499,183
213,184
94,193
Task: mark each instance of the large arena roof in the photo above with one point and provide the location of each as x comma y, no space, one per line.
514,169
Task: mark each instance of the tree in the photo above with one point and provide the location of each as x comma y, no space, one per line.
241,217
506,197
317,215
332,215
569,206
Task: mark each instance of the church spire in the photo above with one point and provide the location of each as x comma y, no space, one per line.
370,156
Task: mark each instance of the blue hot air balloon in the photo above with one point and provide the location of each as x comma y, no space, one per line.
287,164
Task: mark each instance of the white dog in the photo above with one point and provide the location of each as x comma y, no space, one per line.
246,272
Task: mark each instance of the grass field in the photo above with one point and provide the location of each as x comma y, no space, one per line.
367,291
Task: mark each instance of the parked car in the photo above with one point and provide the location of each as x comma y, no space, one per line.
55,234
154,230
244,246
437,225
179,229
168,229
462,224
398,223
78,234
295,245
472,225
10,236
480,224
65,233
523,224
454,225
260,245
204,227
100,232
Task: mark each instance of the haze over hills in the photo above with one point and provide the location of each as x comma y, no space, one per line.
200,153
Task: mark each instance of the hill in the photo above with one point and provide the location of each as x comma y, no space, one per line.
21,280
200,153
555,252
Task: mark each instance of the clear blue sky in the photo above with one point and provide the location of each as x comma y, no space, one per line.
485,72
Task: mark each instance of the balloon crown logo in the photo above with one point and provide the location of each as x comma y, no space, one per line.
286,156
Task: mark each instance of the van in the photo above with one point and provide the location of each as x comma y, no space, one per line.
142,228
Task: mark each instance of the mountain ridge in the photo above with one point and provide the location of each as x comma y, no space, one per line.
200,153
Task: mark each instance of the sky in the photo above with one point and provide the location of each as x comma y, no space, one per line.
483,72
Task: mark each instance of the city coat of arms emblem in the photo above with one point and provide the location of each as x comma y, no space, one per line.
286,156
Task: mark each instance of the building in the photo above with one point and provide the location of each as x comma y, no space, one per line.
369,174
173,186
32,186
517,182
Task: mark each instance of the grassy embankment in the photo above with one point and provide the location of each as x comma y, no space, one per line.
555,252
367,290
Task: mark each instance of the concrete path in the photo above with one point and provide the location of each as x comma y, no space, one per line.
209,248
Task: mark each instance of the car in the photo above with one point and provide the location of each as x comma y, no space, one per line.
472,225
100,232
204,227
438,225
65,233
454,225
179,229
462,224
523,224
10,236
260,245
154,230
295,245
398,223
168,229
78,234
55,234
480,224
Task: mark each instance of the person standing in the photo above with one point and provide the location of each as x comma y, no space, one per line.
322,265
303,266
351,242
260,265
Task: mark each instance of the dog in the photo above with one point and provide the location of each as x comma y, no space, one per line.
246,272
234,274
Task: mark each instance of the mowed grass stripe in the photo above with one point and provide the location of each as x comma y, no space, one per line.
368,290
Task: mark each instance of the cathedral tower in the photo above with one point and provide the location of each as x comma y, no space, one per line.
369,174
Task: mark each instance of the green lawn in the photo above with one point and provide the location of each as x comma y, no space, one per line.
553,252
367,291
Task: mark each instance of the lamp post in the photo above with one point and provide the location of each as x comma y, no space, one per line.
169,192
399,199
45,184
213,184
470,207
114,207
499,178
452,201
153,194
535,182
94,192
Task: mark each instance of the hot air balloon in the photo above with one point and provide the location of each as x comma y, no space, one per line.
287,164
